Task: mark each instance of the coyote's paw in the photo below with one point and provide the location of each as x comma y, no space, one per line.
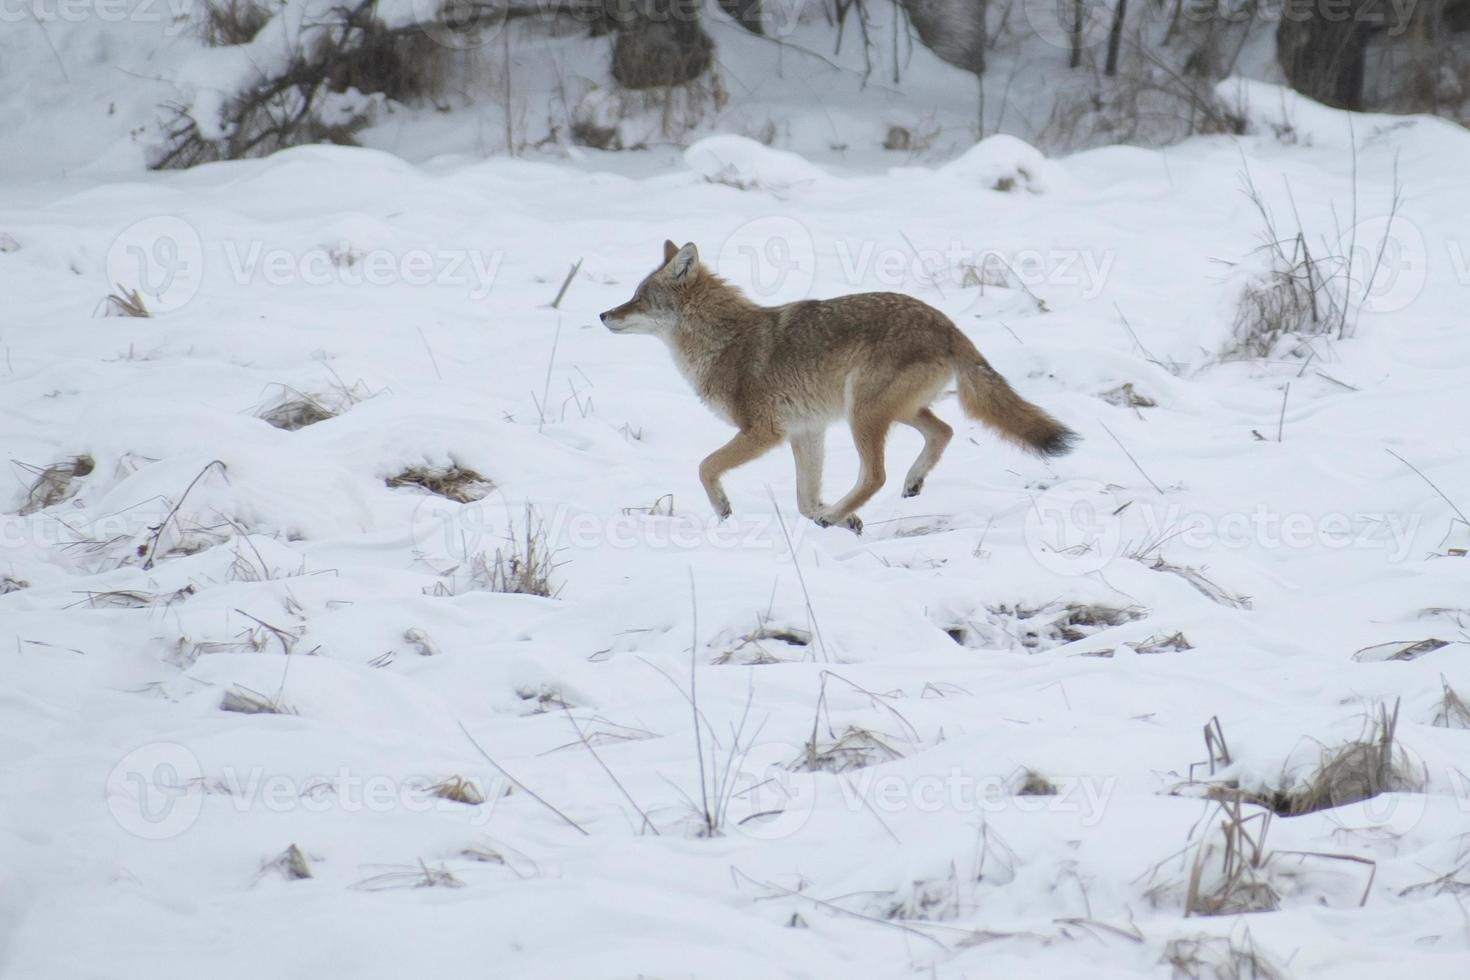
852,522
721,504
912,489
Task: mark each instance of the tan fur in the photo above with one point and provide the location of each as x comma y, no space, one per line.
785,373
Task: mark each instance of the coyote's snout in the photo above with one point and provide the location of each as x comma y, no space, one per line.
787,372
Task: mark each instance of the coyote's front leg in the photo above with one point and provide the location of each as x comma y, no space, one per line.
746,446
808,448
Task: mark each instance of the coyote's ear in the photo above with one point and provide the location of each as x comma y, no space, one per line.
670,250
684,260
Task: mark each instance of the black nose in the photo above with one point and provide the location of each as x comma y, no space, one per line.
602,317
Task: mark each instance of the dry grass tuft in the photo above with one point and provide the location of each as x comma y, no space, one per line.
1301,293
1034,783
1240,881
124,302
291,863
248,702
544,698
742,652
1124,396
9,584
522,566
1399,650
292,413
294,409
1195,577
855,748
459,790
410,876
1228,872
1206,957
1161,643
1356,770
1452,711
54,483
453,482
1044,627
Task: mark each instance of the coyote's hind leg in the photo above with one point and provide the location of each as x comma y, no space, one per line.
936,437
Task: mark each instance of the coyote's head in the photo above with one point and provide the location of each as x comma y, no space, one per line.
658,299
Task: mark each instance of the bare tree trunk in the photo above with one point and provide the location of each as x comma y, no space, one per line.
660,43
1324,58
1077,13
746,13
1115,37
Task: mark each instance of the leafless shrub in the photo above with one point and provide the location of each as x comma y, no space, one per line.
54,482
1304,291
350,50
230,22
1151,100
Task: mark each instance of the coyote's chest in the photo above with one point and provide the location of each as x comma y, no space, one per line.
713,376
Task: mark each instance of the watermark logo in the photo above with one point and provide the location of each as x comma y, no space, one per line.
157,792
153,791
772,258
1387,262
1073,528
771,800
459,24
162,258
472,270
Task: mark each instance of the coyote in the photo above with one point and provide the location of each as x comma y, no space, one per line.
787,372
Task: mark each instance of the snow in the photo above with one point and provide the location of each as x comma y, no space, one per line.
1256,507
745,164
1002,162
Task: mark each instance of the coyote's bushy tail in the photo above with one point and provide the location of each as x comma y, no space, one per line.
988,397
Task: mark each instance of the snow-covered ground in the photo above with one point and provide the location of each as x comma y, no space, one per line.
1224,548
